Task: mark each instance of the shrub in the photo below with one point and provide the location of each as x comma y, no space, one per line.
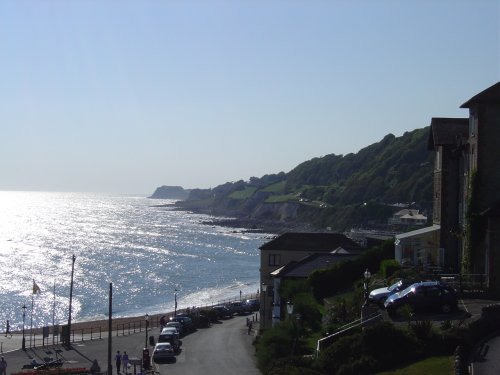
421,329
369,351
388,267
341,275
273,344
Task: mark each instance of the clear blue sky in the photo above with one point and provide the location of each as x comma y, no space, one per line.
125,96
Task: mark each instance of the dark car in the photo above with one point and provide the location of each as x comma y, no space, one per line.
253,303
186,323
423,296
222,312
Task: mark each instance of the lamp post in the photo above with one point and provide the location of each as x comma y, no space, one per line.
289,308
24,319
175,302
367,275
146,318
263,318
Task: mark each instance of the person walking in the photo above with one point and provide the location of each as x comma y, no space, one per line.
125,362
163,322
3,367
249,327
118,360
7,329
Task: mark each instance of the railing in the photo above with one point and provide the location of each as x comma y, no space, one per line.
37,337
52,336
466,282
346,328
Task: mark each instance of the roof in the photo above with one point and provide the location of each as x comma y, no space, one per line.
489,96
309,264
314,242
445,131
407,211
417,232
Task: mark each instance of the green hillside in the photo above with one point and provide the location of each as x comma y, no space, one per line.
336,191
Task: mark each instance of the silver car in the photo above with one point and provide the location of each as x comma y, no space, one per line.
163,350
379,295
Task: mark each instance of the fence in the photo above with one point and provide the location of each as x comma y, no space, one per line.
466,282
346,328
47,336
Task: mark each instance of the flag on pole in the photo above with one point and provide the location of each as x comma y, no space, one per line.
36,288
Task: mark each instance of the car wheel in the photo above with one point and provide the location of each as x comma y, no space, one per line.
446,308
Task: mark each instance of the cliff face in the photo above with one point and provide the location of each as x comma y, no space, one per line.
170,192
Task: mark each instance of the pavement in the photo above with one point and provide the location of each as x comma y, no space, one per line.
83,353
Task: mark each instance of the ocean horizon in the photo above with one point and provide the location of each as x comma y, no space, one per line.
148,250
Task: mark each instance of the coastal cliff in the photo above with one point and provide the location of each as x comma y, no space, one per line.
332,192
170,192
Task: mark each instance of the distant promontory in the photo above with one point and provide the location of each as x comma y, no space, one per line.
170,192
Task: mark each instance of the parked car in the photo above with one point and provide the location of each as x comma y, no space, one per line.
176,325
222,312
253,303
163,350
185,321
423,296
379,295
239,308
171,336
170,329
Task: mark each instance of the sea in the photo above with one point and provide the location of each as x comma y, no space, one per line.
146,251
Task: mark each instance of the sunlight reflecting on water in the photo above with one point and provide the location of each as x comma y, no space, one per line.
146,251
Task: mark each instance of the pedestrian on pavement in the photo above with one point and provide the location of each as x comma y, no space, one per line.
163,322
95,368
3,367
249,327
7,329
118,359
125,362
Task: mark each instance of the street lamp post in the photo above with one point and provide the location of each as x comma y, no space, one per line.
24,319
146,318
263,318
367,275
175,303
289,308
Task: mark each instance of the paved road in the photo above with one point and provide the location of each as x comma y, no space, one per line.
224,348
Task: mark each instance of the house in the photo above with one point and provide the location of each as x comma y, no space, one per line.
301,270
466,201
288,248
481,187
448,137
420,247
408,217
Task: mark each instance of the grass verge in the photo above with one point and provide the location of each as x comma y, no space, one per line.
429,366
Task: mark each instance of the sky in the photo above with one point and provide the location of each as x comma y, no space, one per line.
125,96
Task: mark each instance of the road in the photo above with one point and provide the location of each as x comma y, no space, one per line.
224,348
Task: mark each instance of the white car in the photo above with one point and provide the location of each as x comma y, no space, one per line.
163,350
379,295
169,330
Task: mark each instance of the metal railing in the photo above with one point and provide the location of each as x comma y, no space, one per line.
346,328
465,282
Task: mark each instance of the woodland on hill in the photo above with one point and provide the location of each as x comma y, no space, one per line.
334,191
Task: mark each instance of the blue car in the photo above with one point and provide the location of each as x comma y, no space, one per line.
423,297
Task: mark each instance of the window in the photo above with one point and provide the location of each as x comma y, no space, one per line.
274,260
